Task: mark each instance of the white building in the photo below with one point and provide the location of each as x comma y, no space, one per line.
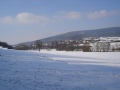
115,46
101,46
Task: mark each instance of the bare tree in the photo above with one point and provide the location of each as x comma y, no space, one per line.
38,44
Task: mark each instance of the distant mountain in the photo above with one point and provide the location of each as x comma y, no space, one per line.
76,35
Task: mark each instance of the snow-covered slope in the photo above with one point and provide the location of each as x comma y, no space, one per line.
93,58
50,70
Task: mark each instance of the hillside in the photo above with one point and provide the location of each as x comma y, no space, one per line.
104,32
76,35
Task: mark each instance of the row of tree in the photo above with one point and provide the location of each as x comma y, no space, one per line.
36,46
55,45
68,47
5,45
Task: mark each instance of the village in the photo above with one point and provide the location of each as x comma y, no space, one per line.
90,44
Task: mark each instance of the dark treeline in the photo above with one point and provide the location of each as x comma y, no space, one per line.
58,45
71,47
36,46
5,45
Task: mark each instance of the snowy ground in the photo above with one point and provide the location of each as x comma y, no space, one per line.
53,70
93,58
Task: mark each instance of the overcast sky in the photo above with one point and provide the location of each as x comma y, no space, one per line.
27,20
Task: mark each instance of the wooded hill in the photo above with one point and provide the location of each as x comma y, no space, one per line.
77,35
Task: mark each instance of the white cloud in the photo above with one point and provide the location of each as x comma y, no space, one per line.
69,15
25,18
98,14
102,13
6,19
30,18
73,15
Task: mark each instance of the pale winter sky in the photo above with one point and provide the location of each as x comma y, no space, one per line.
27,20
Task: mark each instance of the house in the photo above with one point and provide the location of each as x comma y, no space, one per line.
115,46
101,46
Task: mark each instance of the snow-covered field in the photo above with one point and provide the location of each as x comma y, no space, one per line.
59,70
93,58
